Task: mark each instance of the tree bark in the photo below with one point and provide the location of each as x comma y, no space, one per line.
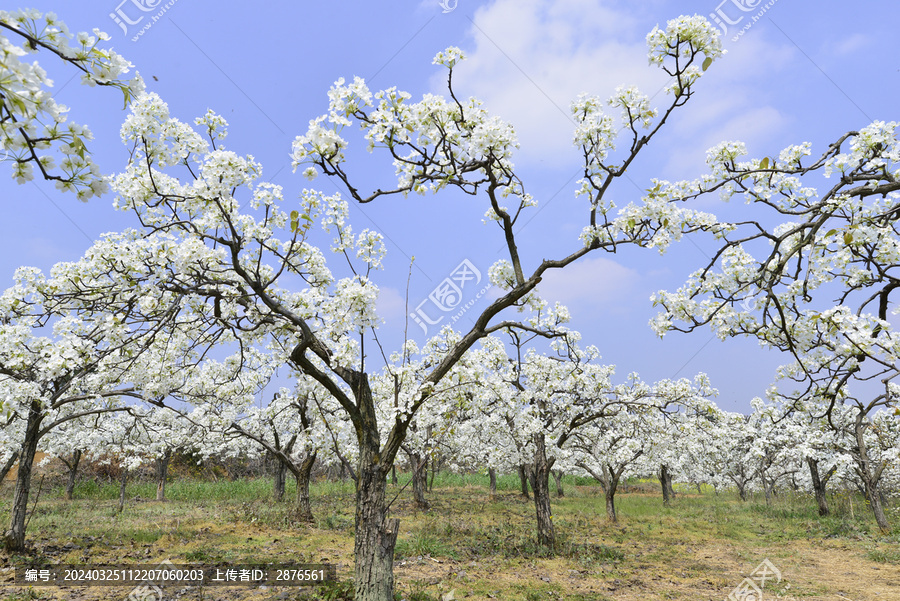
541,486
558,476
870,476
767,488
73,473
280,476
741,480
376,535
819,484
302,475
665,481
523,480
492,474
610,486
418,463
609,479
162,472
15,536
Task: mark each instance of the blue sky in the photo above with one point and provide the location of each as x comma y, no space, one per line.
800,72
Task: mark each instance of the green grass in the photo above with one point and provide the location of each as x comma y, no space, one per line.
181,490
885,555
225,521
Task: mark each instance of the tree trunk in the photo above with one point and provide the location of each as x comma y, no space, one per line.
418,465
162,472
610,486
492,474
523,480
280,476
122,482
558,476
15,536
767,489
376,535
301,478
742,490
741,481
610,495
665,481
541,486
877,508
73,472
8,465
819,484
870,477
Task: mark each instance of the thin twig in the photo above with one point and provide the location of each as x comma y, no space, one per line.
36,497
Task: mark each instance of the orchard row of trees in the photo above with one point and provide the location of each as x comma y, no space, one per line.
175,327
670,433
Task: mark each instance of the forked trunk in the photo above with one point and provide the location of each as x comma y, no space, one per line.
819,484
610,486
742,490
15,536
558,476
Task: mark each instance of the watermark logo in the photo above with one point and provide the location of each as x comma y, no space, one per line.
449,5
133,12
150,590
447,297
751,588
733,12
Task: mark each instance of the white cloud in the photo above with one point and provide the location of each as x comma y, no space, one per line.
851,44
751,125
591,282
391,304
730,104
531,58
